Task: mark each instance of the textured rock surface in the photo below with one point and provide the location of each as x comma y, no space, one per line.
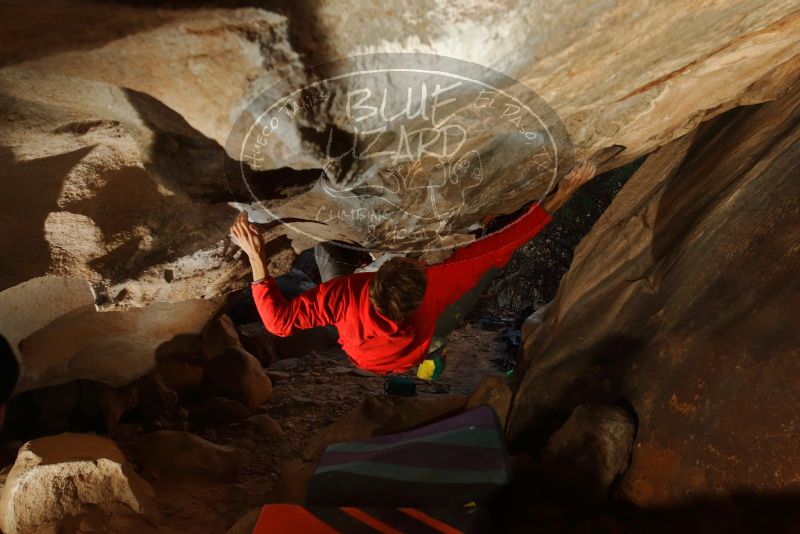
68,475
585,456
262,425
681,300
109,185
206,65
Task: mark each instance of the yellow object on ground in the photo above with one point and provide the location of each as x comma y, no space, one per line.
426,370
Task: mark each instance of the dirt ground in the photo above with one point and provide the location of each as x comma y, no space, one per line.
305,400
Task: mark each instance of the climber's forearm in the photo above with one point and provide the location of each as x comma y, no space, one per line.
259,267
555,201
496,249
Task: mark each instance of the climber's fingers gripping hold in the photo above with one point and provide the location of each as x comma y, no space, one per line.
578,176
248,236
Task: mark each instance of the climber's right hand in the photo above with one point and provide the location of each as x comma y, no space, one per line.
248,236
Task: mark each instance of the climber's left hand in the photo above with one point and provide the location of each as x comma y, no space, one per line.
570,184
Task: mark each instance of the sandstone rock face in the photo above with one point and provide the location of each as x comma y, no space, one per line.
681,300
117,145
69,475
205,64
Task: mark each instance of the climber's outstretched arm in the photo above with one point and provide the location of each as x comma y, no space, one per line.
321,306
496,249
464,268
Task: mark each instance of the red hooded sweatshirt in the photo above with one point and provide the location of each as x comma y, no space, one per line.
371,340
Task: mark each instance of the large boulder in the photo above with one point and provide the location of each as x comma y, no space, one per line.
67,475
237,375
206,64
682,301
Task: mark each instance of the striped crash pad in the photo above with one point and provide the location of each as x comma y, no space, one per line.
451,463
296,519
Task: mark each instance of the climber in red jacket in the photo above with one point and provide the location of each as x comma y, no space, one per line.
386,319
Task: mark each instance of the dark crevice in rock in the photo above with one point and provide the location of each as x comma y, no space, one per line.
279,184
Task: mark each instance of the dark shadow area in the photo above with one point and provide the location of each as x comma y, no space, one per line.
695,185
522,506
280,184
70,407
188,163
180,158
32,30
179,344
